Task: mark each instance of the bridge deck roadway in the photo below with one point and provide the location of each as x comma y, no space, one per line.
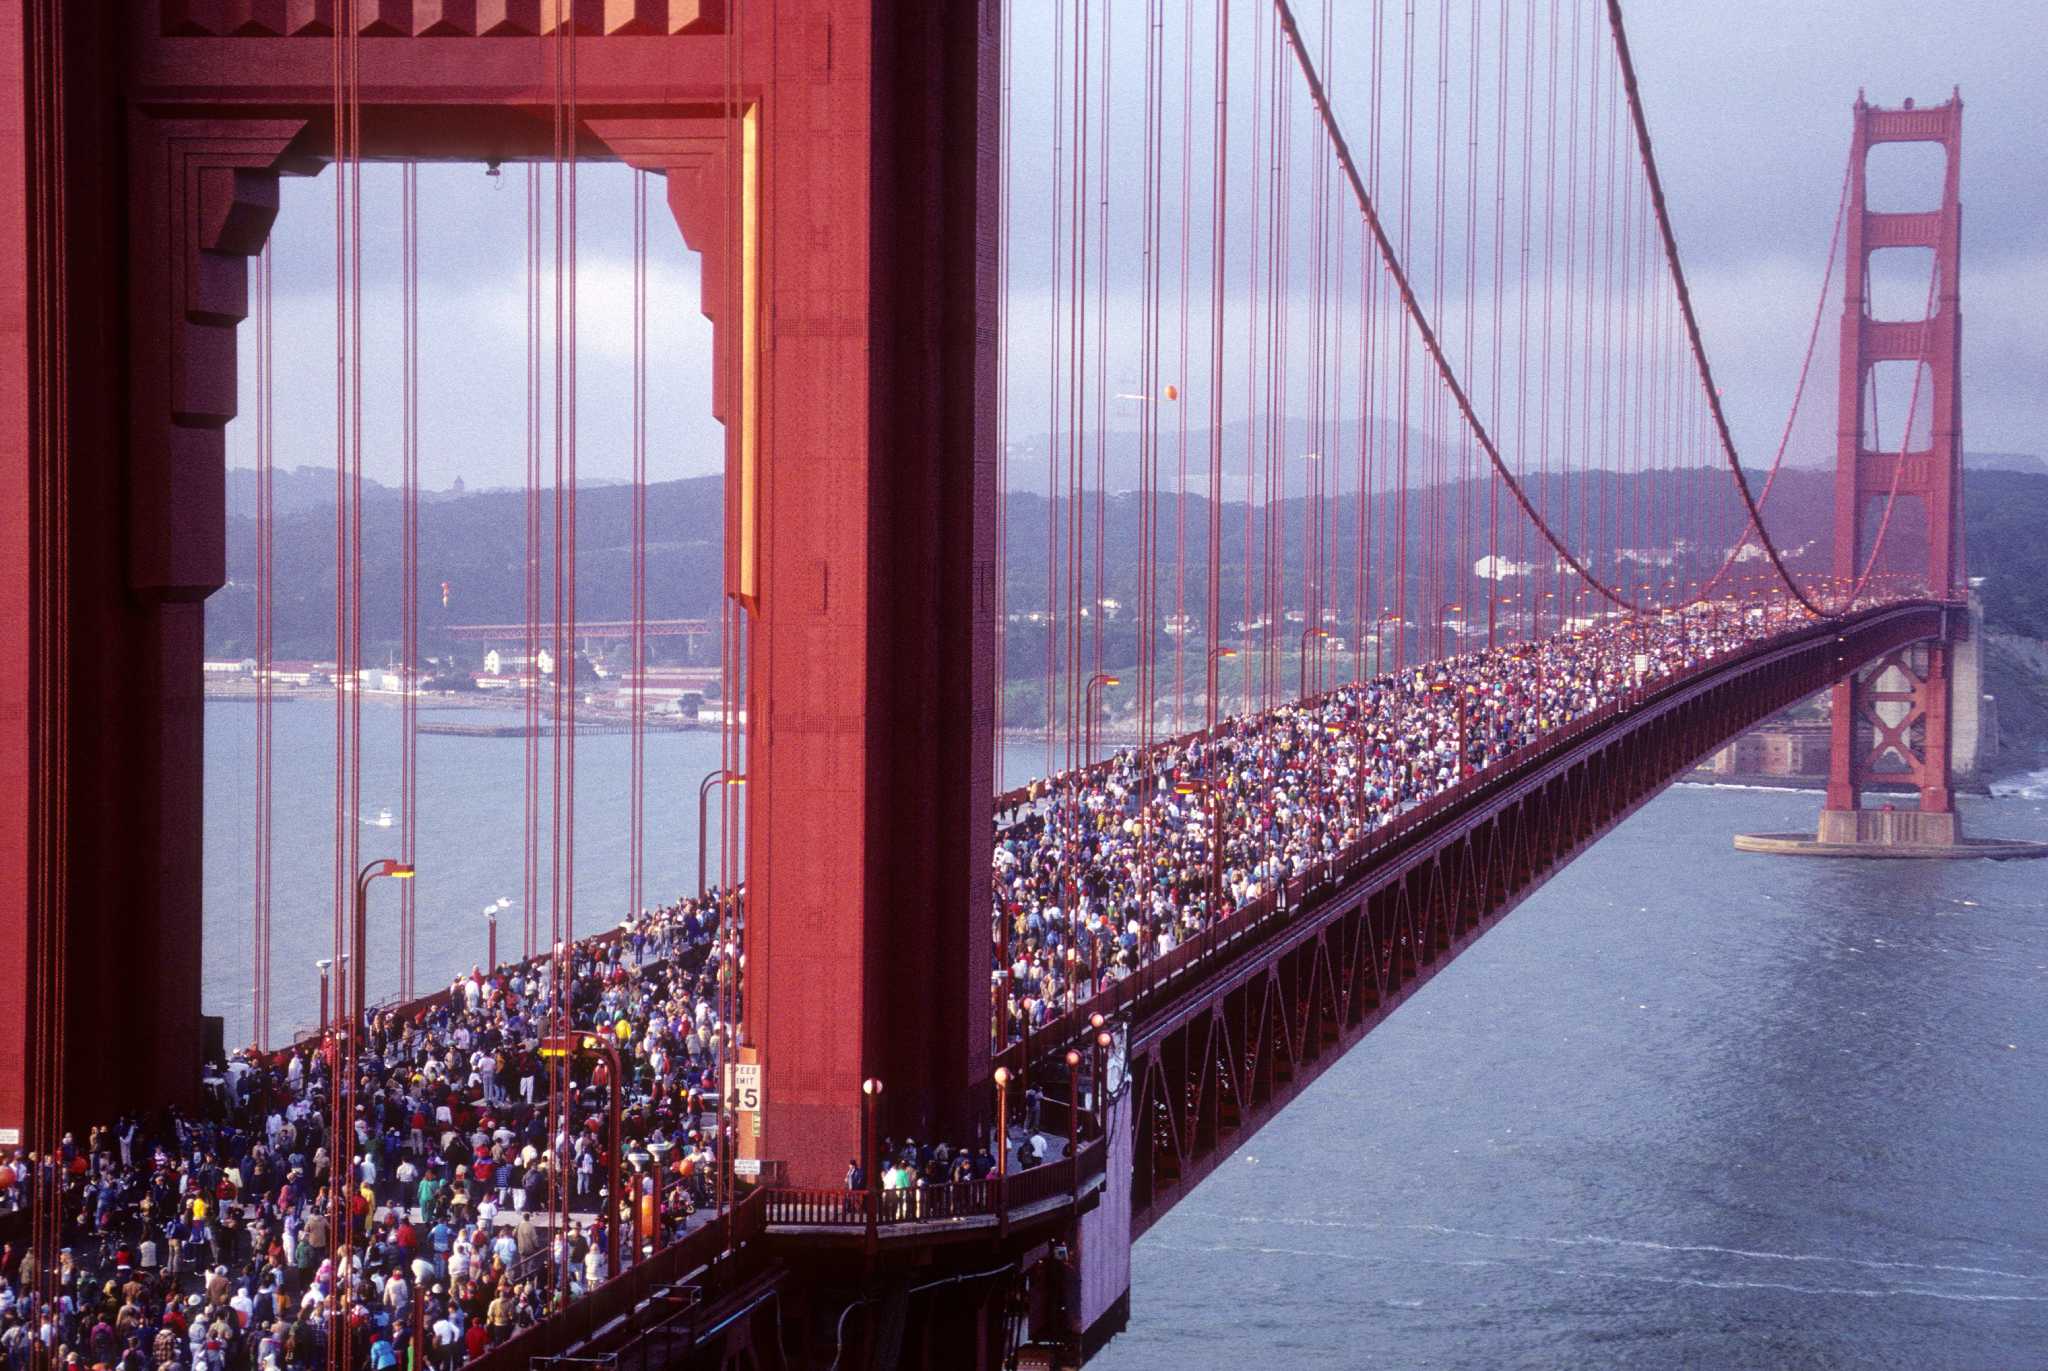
1226,1031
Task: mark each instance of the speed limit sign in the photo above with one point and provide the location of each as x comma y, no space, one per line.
745,1086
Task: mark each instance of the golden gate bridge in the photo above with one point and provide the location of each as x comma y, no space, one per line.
1400,302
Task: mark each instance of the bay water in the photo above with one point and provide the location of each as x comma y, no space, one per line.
1685,1107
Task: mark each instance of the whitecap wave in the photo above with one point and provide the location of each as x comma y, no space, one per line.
1696,784
2032,785
1640,1244
1325,1256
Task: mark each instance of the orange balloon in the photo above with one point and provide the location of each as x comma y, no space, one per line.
1173,392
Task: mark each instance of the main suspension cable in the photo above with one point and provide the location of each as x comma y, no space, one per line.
1692,327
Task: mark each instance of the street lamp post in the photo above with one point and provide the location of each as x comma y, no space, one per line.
1074,1121
1493,605
326,964
1002,1122
1443,613
703,818
600,1043
1095,682
1379,640
870,1096
1439,688
1216,654
491,921
1211,801
355,1016
1306,634
1100,1065
359,1005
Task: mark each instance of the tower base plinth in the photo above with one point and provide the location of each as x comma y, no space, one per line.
1889,828
1887,833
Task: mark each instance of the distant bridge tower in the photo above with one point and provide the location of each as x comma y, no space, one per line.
1892,720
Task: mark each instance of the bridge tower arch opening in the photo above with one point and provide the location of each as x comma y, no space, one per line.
835,160
1891,721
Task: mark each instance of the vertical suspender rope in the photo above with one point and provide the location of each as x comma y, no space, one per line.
1180,373
560,1066
1148,362
409,716
636,788
1402,432
1569,318
1471,341
1054,619
566,662
1588,351
1098,611
1006,157
1416,317
1547,352
1493,580
1526,610
1372,388
354,114
1218,271
1364,620
337,1212
350,1012
1076,367
1798,394
265,637
1437,587
1603,533
1253,295
530,669
1613,392
1708,392
359,994
1273,398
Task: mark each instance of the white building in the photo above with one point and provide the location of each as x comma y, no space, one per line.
498,663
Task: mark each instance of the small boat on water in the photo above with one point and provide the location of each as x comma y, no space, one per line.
383,819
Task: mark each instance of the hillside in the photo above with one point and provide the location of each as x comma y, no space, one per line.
476,544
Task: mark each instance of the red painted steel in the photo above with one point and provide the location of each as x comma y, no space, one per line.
1895,719
833,161
863,384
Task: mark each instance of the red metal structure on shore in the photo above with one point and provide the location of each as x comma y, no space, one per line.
835,163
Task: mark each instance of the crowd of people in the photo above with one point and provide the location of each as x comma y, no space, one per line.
1108,868
207,1241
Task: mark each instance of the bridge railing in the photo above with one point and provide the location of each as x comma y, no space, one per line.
990,1197
435,999
1212,945
710,1254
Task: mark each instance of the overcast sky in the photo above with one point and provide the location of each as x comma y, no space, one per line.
1749,102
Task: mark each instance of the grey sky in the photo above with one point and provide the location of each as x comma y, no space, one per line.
1749,103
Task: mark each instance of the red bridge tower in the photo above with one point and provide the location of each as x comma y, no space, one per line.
1892,719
